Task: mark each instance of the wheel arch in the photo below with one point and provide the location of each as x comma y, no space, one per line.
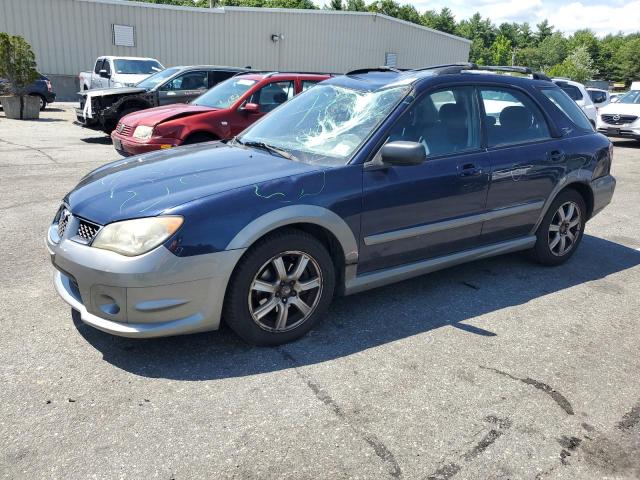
212,136
322,223
579,184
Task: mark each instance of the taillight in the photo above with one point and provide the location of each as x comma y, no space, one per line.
48,85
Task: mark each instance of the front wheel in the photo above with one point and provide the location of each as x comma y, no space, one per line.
561,229
280,289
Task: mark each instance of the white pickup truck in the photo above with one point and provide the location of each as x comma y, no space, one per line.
109,72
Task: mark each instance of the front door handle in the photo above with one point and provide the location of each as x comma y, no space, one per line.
469,169
556,155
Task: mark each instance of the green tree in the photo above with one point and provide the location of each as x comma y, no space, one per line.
629,59
409,13
17,66
501,51
544,30
585,38
578,66
385,7
356,6
553,50
335,5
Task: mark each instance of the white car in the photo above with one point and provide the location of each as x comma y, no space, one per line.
579,94
113,72
621,119
600,98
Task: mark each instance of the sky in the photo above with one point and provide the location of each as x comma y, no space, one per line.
602,17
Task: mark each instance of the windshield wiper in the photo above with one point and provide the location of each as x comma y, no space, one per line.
269,148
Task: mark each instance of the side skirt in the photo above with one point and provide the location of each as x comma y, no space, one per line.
359,283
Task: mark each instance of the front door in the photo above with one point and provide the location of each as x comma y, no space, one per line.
418,212
267,98
183,88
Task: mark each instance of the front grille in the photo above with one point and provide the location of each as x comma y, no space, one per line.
124,129
614,119
63,222
87,230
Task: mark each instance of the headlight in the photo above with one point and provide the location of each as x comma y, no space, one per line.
135,237
143,132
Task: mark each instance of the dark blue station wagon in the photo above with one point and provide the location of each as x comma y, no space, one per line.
365,179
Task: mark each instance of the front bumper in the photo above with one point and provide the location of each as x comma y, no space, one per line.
631,130
151,295
126,145
602,189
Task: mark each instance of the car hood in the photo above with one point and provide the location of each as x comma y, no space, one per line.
154,116
621,108
103,92
147,185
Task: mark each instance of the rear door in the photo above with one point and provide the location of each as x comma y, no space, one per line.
525,162
184,87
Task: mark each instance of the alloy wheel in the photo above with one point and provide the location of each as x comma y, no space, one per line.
285,291
564,229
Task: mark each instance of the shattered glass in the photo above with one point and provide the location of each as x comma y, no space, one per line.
326,124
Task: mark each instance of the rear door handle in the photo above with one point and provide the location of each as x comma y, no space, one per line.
469,169
556,155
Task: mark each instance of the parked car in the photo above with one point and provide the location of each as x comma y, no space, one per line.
366,179
41,88
173,85
111,72
621,119
600,98
579,94
219,114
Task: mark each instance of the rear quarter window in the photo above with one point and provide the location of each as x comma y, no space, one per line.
559,98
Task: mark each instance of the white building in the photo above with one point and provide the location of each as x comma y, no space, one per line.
68,35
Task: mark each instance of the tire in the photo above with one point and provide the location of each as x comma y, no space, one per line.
43,101
111,125
262,306
198,138
558,238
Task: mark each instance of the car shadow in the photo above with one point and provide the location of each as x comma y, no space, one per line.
356,323
104,140
624,143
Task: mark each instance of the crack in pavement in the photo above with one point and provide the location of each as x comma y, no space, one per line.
372,440
560,399
30,148
449,470
630,419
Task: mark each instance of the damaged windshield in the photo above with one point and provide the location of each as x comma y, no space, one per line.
325,124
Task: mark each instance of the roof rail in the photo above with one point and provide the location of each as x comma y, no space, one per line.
447,68
514,69
382,68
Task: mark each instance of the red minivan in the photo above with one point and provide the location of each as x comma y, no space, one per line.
218,114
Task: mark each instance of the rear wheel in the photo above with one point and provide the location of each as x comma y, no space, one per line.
43,101
280,289
561,230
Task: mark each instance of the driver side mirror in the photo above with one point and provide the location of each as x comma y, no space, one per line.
403,153
104,74
251,108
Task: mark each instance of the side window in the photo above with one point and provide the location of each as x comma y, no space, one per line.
573,92
273,95
568,107
188,81
598,97
217,76
445,122
307,84
107,66
512,117
98,66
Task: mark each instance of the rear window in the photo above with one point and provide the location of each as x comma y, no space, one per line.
567,106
